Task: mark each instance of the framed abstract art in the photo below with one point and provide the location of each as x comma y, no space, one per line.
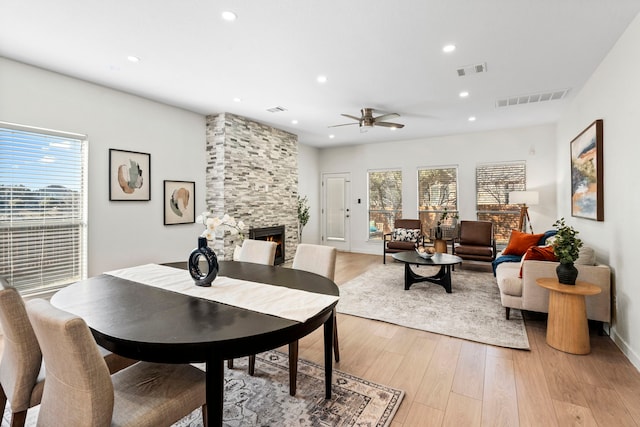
179,202
587,198
129,175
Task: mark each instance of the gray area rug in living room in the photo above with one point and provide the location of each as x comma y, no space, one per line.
263,400
472,311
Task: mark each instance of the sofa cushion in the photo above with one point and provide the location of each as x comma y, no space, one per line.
508,280
586,256
405,234
474,250
519,242
404,246
538,253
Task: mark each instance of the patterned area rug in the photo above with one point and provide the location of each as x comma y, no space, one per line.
472,311
263,400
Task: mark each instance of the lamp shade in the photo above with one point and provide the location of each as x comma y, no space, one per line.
523,197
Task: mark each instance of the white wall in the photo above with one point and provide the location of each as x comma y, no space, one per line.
611,94
309,185
535,145
120,233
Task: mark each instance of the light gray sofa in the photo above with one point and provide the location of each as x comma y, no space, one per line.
525,294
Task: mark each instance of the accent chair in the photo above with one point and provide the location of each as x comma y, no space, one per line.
406,236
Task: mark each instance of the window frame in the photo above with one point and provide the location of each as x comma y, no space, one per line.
511,212
428,218
392,215
61,232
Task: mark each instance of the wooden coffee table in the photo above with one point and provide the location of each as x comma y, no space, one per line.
567,325
442,278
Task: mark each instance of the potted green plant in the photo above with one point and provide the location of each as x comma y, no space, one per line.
566,247
303,215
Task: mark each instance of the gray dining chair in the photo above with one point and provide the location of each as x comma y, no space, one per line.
22,373
79,391
320,260
21,370
258,251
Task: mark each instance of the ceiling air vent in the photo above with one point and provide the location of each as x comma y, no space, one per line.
532,98
472,69
276,109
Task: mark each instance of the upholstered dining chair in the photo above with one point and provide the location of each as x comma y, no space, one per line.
475,241
258,251
79,391
320,260
406,235
21,370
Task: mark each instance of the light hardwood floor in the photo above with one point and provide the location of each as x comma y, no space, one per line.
453,382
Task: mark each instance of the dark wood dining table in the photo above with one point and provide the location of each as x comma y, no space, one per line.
156,325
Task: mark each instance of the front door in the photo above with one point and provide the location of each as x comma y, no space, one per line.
336,211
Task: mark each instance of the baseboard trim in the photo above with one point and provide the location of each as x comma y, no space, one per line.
624,347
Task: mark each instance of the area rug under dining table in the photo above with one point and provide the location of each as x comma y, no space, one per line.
264,400
472,311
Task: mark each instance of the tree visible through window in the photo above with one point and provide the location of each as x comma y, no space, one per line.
42,207
385,201
493,184
437,191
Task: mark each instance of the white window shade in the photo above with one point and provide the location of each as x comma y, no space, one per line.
42,207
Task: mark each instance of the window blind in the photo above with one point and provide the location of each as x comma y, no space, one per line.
42,207
437,191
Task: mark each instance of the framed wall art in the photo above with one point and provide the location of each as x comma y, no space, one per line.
179,202
129,175
587,198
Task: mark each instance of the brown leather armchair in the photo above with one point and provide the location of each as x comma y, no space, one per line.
475,241
399,243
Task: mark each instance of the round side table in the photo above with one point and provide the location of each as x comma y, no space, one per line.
567,326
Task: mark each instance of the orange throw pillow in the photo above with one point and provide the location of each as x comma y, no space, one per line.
519,242
539,253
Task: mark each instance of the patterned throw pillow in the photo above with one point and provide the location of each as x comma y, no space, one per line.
405,234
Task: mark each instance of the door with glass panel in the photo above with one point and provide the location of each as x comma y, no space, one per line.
336,212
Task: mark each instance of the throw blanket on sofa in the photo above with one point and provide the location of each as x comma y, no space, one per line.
504,258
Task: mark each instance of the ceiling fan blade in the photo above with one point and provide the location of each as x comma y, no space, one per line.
345,124
388,125
350,116
387,116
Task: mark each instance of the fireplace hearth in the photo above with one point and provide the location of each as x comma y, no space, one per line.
271,234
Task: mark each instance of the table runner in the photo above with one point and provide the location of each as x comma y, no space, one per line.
292,304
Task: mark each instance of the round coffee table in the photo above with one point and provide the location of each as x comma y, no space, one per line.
442,278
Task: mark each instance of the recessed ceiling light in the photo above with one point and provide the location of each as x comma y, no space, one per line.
332,136
236,99
464,94
294,122
472,118
229,16
133,58
449,48
322,79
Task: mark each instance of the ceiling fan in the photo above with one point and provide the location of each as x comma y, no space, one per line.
366,120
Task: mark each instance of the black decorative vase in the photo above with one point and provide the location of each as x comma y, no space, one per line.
567,273
438,233
194,263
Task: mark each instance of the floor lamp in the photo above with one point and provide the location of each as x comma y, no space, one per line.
524,198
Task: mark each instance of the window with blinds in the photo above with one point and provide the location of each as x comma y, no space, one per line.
437,191
42,207
385,201
493,184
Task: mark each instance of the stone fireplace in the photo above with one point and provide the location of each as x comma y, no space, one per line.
271,234
252,175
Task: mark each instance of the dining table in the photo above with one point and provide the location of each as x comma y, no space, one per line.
134,316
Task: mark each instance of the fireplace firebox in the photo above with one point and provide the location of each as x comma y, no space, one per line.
271,234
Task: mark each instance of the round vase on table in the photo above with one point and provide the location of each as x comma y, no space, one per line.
203,251
438,233
567,273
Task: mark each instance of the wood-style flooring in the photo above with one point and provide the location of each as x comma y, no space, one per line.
453,382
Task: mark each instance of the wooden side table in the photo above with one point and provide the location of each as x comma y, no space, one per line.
440,245
567,326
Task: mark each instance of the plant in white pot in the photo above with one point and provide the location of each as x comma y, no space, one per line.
566,247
